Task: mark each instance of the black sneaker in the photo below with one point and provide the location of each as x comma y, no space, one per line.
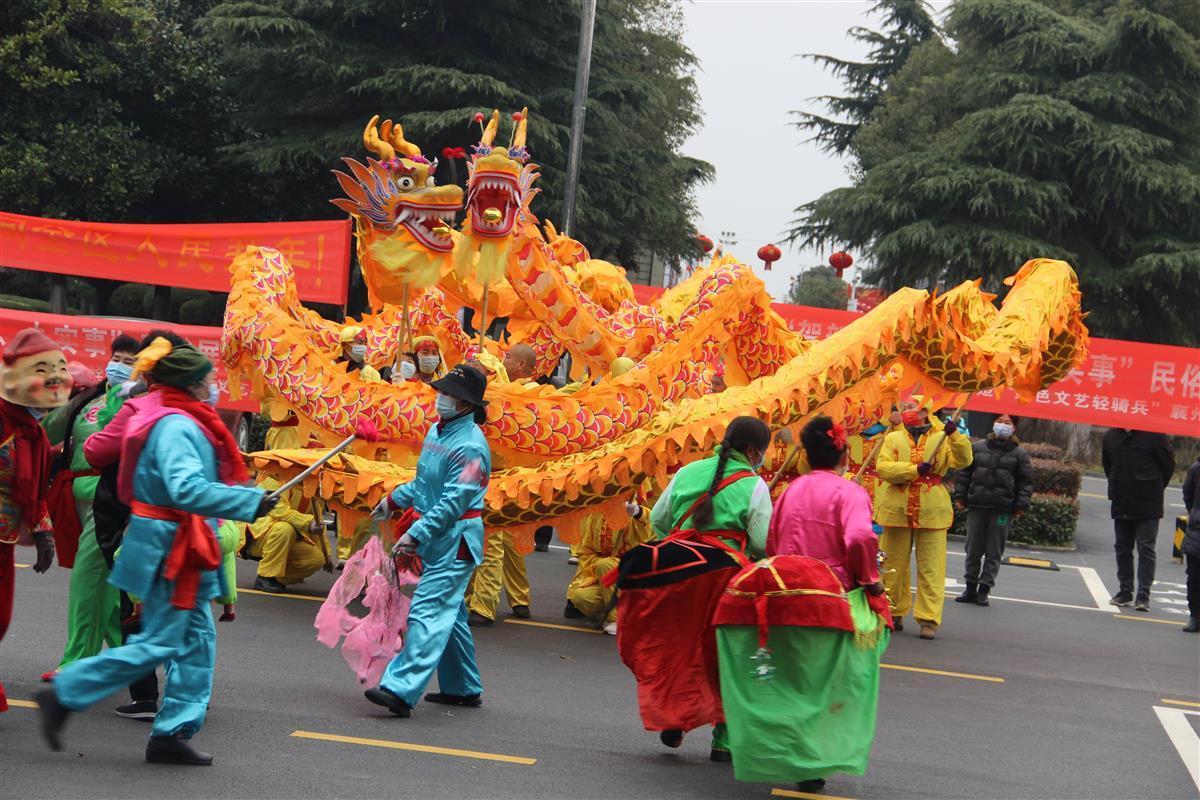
672,738
144,710
1142,604
571,612
389,700
477,620
469,700
1121,599
981,596
270,585
521,612
175,750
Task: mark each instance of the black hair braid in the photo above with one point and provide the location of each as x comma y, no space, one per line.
704,512
742,434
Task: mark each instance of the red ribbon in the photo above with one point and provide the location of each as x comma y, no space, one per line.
453,152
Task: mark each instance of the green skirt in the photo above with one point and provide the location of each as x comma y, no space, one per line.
815,714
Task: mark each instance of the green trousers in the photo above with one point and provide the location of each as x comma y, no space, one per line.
93,605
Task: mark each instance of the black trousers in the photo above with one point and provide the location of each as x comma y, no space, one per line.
145,688
1142,534
1193,584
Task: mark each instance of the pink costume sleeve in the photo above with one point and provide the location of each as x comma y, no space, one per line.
777,517
104,447
862,546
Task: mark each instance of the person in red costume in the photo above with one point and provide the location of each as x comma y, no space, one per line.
33,379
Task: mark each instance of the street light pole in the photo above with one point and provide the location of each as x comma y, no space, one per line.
583,66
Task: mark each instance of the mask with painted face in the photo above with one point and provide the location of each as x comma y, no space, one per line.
34,373
116,373
429,363
446,405
407,370
1003,430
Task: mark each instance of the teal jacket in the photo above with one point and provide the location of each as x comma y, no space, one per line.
177,468
452,477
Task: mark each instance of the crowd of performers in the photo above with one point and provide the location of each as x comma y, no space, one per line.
761,616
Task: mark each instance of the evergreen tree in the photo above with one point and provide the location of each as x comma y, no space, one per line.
1065,128
906,24
311,72
819,287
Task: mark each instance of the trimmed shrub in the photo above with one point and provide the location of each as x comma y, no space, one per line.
199,311
1056,477
1050,520
131,300
24,303
1041,450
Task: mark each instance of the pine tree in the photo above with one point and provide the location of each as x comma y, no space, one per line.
1067,129
906,24
311,73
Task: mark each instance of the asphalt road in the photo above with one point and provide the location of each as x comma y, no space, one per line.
1048,693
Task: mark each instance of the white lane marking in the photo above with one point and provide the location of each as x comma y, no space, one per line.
1183,736
1095,585
1105,481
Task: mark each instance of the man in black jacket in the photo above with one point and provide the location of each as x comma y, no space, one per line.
996,486
1191,545
1138,465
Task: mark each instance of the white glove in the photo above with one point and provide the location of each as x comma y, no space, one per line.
382,511
633,509
405,546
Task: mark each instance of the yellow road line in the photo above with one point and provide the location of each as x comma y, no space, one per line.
31,704
1148,619
1189,703
805,795
318,598
1097,496
575,628
22,566
966,675
419,748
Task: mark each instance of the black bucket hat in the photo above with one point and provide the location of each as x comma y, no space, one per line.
463,383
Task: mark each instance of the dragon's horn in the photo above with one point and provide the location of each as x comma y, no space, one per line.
372,142
489,133
402,145
519,137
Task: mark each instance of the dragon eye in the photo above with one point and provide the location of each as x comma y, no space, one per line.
430,181
405,182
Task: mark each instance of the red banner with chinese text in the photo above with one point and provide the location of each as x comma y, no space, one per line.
190,256
1149,387
86,340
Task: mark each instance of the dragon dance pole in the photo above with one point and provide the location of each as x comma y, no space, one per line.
874,455
583,66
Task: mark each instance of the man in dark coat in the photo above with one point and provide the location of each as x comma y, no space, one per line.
996,486
1191,545
1138,465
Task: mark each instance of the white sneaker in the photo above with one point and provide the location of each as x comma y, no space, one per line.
611,629
572,560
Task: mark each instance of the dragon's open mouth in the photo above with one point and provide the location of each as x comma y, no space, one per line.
493,203
429,224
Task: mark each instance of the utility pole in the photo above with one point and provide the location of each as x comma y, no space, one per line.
583,66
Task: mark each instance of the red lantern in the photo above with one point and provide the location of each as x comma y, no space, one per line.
769,254
706,244
478,116
516,115
840,261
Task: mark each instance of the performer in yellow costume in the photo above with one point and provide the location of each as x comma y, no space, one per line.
860,447
502,566
289,542
600,550
914,509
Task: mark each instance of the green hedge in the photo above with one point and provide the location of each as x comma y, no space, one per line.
1056,477
24,303
1049,452
1050,520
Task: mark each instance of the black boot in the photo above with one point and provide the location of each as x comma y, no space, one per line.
468,700
389,700
981,596
270,585
720,756
571,612
1193,625
970,595
54,717
672,738
814,785
175,750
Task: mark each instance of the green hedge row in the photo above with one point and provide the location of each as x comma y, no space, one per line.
1056,477
1050,520
1049,452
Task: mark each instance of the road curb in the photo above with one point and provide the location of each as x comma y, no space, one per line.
1049,548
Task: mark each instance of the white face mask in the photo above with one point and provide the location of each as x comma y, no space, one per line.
1002,430
407,369
429,363
446,405
358,351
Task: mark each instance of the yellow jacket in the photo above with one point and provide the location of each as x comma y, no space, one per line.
284,511
600,548
905,500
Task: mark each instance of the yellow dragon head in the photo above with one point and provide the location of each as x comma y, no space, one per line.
501,180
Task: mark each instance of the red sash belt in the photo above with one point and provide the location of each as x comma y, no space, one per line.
291,422
60,502
194,551
932,479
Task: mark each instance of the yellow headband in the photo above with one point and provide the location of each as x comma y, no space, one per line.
154,352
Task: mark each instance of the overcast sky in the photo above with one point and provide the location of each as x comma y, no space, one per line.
750,78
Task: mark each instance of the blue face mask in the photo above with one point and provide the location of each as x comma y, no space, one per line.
214,394
117,373
447,406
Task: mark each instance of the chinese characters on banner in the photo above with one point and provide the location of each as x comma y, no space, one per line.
86,340
1122,384
193,256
